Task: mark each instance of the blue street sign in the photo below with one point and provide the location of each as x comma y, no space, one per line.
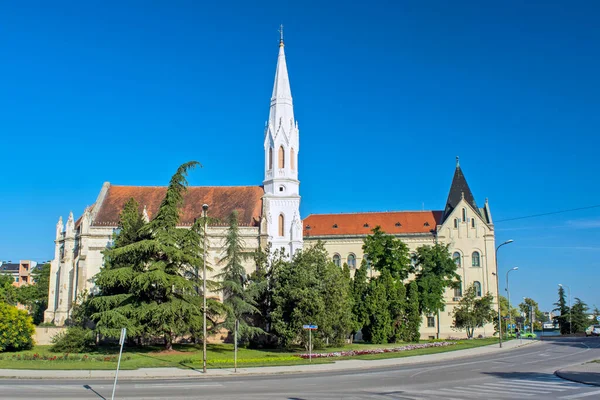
311,327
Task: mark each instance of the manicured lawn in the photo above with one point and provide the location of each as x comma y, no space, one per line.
190,356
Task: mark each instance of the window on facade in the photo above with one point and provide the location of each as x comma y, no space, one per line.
477,287
367,261
292,159
431,322
475,259
351,260
336,260
464,214
16,279
281,157
458,291
456,258
270,158
456,222
472,222
281,225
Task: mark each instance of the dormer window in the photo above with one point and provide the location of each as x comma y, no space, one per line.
365,225
335,226
426,224
307,227
398,224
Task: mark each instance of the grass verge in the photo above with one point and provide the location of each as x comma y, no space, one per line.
190,356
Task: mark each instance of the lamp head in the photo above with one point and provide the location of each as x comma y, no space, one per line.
560,284
515,268
205,207
509,241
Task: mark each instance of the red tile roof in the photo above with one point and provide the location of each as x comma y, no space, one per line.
222,200
396,222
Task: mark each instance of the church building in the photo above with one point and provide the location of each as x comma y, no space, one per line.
270,214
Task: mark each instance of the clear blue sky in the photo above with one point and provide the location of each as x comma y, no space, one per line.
386,95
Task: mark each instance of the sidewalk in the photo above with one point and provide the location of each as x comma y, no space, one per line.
588,373
176,373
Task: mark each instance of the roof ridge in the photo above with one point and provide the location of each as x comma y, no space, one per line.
208,186
378,212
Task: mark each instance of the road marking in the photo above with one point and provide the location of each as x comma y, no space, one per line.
490,391
180,386
554,382
579,396
539,385
502,386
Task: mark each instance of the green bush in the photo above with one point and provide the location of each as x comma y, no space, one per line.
16,328
74,340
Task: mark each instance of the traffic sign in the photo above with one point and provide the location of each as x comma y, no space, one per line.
310,327
598,318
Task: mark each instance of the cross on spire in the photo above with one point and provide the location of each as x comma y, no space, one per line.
281,34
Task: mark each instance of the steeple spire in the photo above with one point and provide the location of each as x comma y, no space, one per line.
281,35
459,190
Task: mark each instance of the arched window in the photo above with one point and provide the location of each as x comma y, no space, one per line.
458,290
281,157
472,222
336,260
477,287
475,259
351,260
455,222
292,159
270,158
464,210
456,258
281,225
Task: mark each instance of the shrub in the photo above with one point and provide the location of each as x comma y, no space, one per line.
74,340
16,328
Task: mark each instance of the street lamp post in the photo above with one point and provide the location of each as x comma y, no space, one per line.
205,212
508,293
570,311
498,292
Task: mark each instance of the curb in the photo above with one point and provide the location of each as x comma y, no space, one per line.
200,375
560,374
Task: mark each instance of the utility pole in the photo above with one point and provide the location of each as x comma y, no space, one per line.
205,212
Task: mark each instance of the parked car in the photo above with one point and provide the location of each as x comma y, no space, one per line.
592,330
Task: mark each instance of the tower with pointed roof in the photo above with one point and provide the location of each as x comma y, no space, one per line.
281,144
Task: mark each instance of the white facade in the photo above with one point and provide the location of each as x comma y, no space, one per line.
282,187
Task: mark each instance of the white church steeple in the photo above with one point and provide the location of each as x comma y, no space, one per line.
282,198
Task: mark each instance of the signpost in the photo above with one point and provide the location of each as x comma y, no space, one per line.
310,329
237,324
121,342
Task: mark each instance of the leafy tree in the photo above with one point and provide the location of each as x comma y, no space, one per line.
473,312
8,292
514,313
387,253
309,289
16,328
238,301
112,307
396,296
435,272
73,340
35,296
526,307
579,317
413,314
258,290
561,306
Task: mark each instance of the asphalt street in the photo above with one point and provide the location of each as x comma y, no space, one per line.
523,373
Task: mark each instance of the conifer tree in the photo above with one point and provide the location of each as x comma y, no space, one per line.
258,289
360,288
561,306
161,299
111,306
379,329
413,314
239,304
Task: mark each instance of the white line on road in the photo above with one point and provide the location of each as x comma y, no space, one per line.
502,386
539,386
555,383
495,392
579,396
180,386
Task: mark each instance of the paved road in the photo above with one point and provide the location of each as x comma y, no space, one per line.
524,373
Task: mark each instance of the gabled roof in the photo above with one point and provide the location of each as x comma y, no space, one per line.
393,222
459,189
222,200
9,268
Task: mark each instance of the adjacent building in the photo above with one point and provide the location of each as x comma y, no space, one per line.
270,214
19,271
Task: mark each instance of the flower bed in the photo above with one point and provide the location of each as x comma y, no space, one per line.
377,351
63,357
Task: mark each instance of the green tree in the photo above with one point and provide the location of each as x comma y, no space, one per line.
35,296
435,272
387,253
239,303
16,328
579,317
473,312
163,302
112,308
413,314
528,306
561,306
379,329
258,289
360,288
8,292
309,289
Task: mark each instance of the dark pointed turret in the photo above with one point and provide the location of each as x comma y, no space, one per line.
459,190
